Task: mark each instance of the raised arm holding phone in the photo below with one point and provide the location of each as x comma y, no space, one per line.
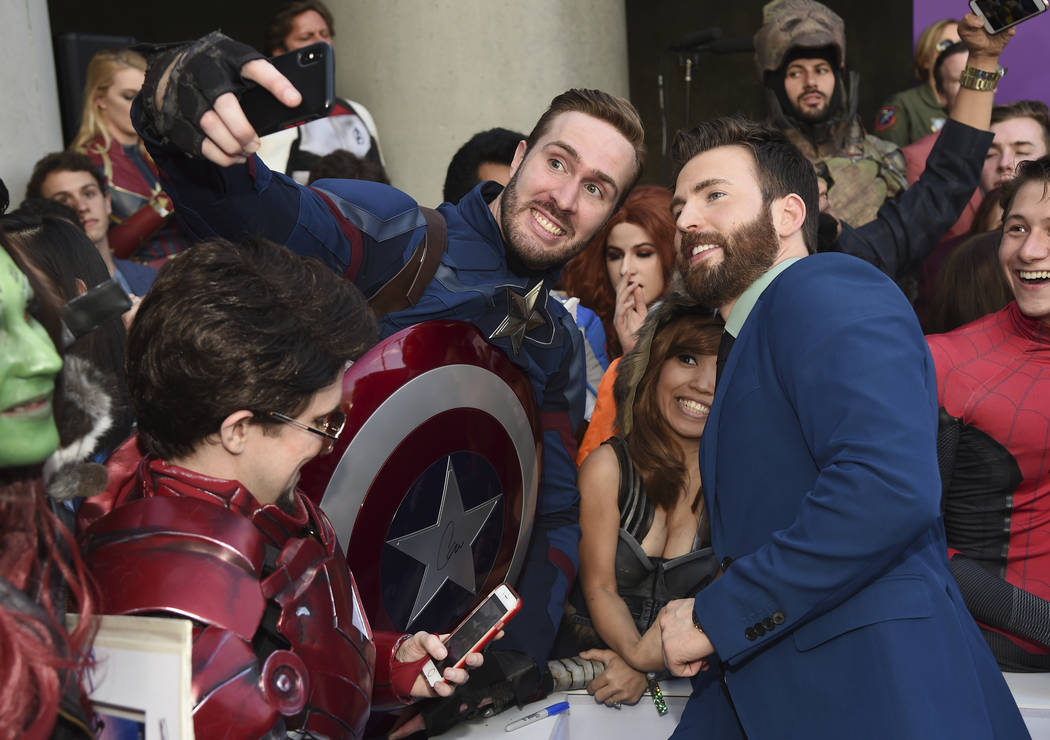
504,247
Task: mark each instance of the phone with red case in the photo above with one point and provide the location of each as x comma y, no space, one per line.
475,632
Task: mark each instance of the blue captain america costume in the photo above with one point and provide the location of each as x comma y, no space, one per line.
366,231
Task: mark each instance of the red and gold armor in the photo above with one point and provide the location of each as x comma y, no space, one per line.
280,639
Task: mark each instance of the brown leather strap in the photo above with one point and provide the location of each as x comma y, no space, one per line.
407,286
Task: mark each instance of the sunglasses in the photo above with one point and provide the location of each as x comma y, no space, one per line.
330,429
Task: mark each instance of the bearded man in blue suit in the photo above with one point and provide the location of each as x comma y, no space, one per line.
836,614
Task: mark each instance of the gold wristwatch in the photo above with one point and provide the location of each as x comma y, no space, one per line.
977,79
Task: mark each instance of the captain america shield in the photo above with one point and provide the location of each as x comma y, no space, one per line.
432,484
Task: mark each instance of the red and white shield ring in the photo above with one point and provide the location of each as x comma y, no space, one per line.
432,485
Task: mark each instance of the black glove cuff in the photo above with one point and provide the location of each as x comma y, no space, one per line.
506,677
200,73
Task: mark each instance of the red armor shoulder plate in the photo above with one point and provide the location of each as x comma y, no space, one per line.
281,639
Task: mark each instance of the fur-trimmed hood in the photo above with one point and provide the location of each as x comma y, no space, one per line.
633,365
789,24
89,422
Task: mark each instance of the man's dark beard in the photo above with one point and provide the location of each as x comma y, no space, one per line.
518,258
813,118
747,254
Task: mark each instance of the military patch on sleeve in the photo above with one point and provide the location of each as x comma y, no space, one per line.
886,118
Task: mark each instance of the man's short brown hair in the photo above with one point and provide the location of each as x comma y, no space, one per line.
230,326
781,168
282,22
68,161
616,111
1034,109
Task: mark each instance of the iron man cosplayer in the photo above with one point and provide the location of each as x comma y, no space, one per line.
280,641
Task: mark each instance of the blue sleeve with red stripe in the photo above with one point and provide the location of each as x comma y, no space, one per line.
553,555
374,227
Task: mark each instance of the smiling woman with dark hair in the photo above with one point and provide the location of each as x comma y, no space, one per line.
645,537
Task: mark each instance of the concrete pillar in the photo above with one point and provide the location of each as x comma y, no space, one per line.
435,73
29,120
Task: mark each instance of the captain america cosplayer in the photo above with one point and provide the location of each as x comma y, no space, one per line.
993,381
202,517
504,251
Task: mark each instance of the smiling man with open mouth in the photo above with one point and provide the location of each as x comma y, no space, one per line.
994,393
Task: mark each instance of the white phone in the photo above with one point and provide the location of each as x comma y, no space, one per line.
475,632
999,15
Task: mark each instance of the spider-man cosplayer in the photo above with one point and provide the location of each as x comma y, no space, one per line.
993,379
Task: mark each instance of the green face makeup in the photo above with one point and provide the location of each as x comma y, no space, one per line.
28,365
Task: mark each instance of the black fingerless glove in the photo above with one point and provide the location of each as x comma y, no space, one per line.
507,677
200,72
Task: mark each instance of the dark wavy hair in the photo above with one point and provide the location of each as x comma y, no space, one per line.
494,145
345,165
970,285
1031,170
650,442
230,326
586,276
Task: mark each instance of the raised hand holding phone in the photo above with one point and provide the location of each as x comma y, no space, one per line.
998,15
312,71
479,628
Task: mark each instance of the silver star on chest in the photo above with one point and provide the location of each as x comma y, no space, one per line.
522,317
445,547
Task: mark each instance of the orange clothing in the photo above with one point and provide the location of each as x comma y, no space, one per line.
603,419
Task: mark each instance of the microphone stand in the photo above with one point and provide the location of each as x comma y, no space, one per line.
663,116
688,59
688,87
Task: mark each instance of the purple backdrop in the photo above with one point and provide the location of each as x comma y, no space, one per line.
1025,57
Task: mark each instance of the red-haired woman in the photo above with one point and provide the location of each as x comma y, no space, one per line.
627,266
624,271
645,539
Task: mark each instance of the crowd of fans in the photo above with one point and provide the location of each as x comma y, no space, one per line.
200,371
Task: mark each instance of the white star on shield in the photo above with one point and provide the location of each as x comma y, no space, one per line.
445,547
522,317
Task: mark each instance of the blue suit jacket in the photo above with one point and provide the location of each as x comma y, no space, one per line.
837,615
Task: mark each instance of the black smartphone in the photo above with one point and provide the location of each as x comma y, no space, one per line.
86,312
999,15
312,70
